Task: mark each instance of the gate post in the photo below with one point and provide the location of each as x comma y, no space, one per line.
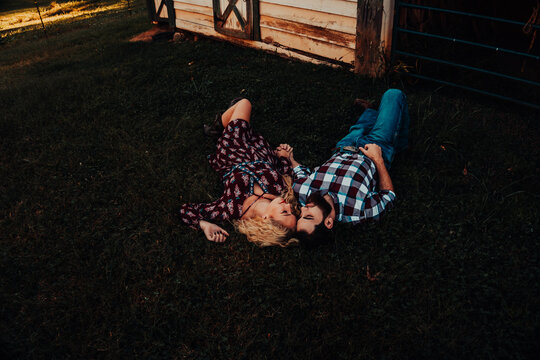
374,21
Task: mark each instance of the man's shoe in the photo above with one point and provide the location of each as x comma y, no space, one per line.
364,104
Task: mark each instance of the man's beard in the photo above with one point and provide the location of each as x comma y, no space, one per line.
318,200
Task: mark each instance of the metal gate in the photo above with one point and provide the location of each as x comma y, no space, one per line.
435,44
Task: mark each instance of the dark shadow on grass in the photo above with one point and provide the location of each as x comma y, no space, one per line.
102,141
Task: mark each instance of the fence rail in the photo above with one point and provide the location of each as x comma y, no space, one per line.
396,51
455,12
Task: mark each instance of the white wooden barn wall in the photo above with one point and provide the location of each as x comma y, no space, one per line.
325,28
163,14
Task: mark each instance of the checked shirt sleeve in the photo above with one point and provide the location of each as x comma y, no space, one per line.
301,172
375,204
301,183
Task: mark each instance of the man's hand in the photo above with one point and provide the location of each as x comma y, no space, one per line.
372,151
213,232
284,150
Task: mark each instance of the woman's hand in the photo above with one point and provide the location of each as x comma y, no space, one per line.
213,232
284,150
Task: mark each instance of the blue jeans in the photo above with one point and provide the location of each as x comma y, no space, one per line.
388,127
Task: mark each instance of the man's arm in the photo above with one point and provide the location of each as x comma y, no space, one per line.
294,163
373,151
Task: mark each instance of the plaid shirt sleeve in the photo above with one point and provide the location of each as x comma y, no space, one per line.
301,172
375,204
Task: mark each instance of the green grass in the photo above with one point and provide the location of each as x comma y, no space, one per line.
101,141
11,5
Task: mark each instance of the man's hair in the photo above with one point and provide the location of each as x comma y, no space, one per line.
319,201
320,235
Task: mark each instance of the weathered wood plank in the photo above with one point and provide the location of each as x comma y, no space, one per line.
197,18
201,28
387,26
312,32
369,58
305,44
338,7
209,31
207,3
273,37
194,8
310,17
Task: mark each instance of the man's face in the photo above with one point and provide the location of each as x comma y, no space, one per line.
311,216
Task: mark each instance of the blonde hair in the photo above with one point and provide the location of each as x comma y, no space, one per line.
269,232
263,232
288,195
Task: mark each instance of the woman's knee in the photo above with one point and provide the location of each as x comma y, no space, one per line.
245,103
242,110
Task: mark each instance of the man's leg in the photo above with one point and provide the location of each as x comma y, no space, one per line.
362,127
391,128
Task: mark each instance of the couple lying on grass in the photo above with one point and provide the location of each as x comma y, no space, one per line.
262,185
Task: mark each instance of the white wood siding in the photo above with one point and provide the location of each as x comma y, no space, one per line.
163,13
338,7
324,28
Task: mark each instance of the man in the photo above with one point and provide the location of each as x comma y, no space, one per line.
354,184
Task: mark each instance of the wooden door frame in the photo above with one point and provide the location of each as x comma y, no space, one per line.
153,12
252,30
374,21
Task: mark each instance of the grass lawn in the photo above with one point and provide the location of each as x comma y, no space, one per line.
22,15
101,141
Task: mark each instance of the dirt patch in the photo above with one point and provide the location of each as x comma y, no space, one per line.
153,33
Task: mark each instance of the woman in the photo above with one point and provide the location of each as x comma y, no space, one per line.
252,174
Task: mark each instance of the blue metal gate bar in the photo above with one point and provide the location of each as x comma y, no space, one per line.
536,57
467,67
467,14
395,51
476,90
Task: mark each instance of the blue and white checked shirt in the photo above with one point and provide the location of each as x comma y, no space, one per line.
350,180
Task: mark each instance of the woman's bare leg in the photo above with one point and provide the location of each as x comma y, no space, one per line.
240,110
